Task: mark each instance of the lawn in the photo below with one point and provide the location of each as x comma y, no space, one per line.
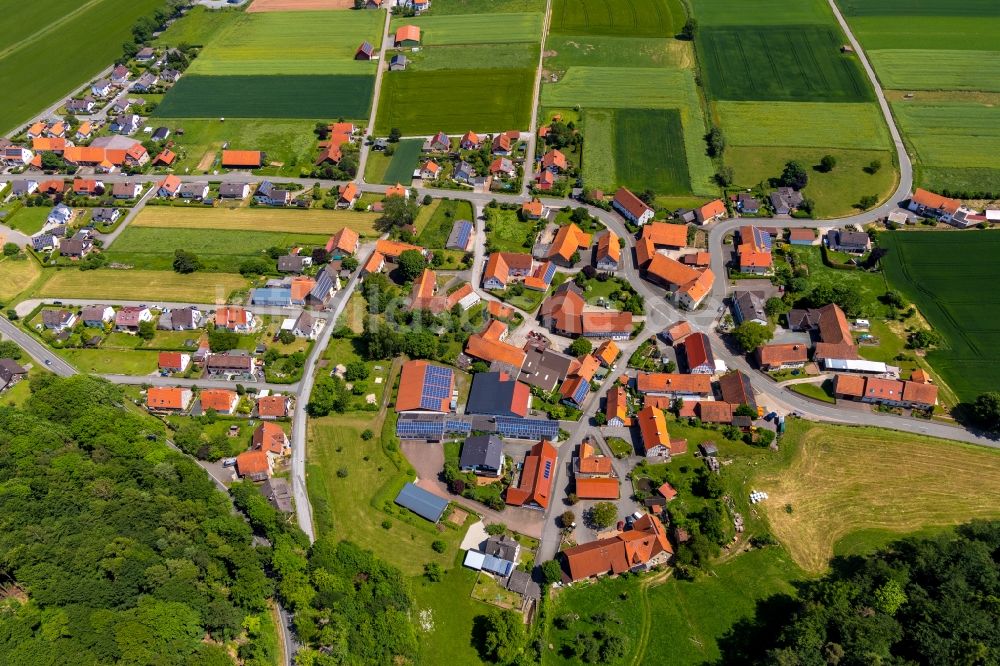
506,232
565,51
844,479
291,43
477,28
197,27
313,221
427,102
28,221
629,18
780,63
354,506
450,612
111,285
435,234
869,285
803,124
403,162
814,391
934,271
314,96
219,250
286,142
16,275
935,69
26,52
834,192
112,361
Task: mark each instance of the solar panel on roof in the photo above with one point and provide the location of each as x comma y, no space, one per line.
549,273
547,470
581,392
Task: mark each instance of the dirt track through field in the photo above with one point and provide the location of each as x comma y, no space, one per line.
848,479
298,5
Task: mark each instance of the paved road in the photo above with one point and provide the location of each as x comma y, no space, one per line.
110,238
157,380
25,307
39,352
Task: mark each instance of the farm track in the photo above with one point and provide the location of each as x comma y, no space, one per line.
34,37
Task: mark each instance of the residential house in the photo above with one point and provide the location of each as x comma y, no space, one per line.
146,82
564,313
545,181
502,166
58,320
234,190
482,455
569,241
655,437
327,284
888,392
17,156
470,141
105,215
782,356
127,189
574,391
88,187
502,268
688,286
608,255
461,237
677,332
165,158
85,131
196,190
464,173
222,401
10,373
44,242
747,204
128,319
278,493
465,297
640,548
347,195
553,161
853,242
698,354
120,74
273,406
801,236
60,214
504,143
673,385
77,247
607,353
544,368
375,264
236,319
736,389
534,487
346,241
430,170
439,143
254,465
95,316
533,210
23,187
489,346
590,463
616,407
180,319
749,306
170,75
80,106
271,439
127,124
236,364
101,88
168,187
784,200
631,207
269,195
160,134
168,399
498,394
145,54
713,210
242,159
424,387
173,361
307,326
754,251
293,263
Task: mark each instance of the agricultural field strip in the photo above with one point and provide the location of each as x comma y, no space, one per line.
645,136
762,12
599,164
112,285
948,32
27,22
256,219
959,135
290,43
925,69
804,124
610,51
637,18
475,29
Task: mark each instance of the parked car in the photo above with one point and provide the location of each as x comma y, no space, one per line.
229,462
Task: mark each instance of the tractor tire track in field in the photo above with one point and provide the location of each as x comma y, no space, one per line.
647,614
35,36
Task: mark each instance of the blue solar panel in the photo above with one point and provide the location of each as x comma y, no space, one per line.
549,273
548,469
519,428
581,392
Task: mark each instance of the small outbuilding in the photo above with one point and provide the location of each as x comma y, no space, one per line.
419,501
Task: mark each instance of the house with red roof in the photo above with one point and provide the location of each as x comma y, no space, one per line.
424,387
631,207
534,488
713,210
644,546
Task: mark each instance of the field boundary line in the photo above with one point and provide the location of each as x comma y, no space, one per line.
35,36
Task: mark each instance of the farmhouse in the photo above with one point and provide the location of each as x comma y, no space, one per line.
889,392
673,385
933,205
564,313
640,548
254,465
616,407
688,286
698,354
489,346
535,485
505,267
782,356
498,394
714,411
392,249
655,438
736,389
569,241
242,159
631,207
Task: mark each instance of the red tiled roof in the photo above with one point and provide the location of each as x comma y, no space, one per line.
411,388
616,404
166,397
607,352
270,438
653,427
777,354
242,158
664,234
591,462
833,326
633,204
609,247
345,240
407,32
631,548
935,201
714,411
170,360
536,477
712,209
665,382
597,488
272,405
250,463
849,385
221,400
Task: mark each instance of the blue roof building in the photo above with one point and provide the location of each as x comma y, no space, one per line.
419,501
271,296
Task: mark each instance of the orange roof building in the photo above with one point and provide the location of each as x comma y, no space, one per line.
833,325
653,430
533,209
597,488
221,400
607,352
925,200
664,234
642,547
535,486
375,263
272,407
162,398
503,267
425,388
554,160
242,159
678,332
344,241
166,157
616,407
255,465
569,240
713,210
301,287
689,286
392,249
672,384
348,194
589,462
407,35
43,144
499,310
780,356
714,411
233,317
270,438
396,190
489,346
609,252
423,295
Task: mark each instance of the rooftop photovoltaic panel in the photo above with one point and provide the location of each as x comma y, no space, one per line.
581,392
548,469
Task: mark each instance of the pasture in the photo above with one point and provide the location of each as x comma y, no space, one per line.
474,28
15,276
197,27
290,43
29,51
803,124
843,480
780,63
289,142
112,285
626,18
403,163
761,12
929,69
935,271
276,220
487,100
834,192
602,51
313,97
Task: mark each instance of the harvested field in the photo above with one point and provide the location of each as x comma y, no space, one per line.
626,18
314,97
15,276
847,479
803,124
113,285
780,63
257,219
428,102
298,5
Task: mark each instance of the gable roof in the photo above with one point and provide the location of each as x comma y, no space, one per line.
597,488
272,405
407,33
935,201
482,451
221,400
653,428
535,484
421,502
698,350
253,464
616,404
670,382
736,389
591,462
782,353
833,326
242,158
712,209
607,352
488,346
497,394
609,247
269,437
165,397
630,202
664,234
425,387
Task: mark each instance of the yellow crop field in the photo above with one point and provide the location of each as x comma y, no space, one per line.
15,276
111,285
313,221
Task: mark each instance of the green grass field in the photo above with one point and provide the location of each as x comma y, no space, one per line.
506,232
313,96
636,148
152,248
951,134
627,18
428,102
935,270
761,12
289,142
28,220
29,50
905,32
519,55
16,275
404,161
279,220
780,63
604,51
197,27
935,69
130,285
112,361
435,234
599,156
474,29
835,192
290,43
448,7
848,480
803,124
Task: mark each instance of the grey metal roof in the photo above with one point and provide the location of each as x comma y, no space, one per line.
482,451
419,501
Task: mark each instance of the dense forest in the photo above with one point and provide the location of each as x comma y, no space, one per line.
918,601
114,549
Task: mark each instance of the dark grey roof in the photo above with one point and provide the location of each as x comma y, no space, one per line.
231,190
278,493
43,241
197,187
324,283
484,451
491,395
229,361
103,214
419,501
9,369
545,369
838,238
56,317
503,546
520,582
748,202
462,229
291,263
749,305
304,322
160,133
803,320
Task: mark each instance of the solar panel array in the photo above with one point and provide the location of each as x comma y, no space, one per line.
548,469
516,428
550,272
763,239
463,229
581,392
437,387
434,429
